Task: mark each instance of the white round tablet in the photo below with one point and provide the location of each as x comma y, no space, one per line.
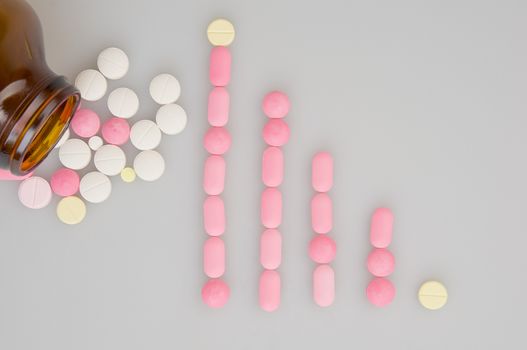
64,138
91,84
165,89
109,160
145,135
113,63
95,187
171,119
123,102
95,142
149,165
75,154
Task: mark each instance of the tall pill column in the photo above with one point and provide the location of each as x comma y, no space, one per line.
276,134
322,249
215,293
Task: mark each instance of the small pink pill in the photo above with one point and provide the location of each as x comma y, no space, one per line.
214,216
276,104
380,292
273,167
220,66
271,249
214,175
269,290
324,285
215,293
271,209
276,132
321,213
381,262
219,101
217,140
115,131
214,257
65,182
85,123
381,228
322,249
322,172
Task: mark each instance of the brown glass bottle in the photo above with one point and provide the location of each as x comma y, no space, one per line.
35,103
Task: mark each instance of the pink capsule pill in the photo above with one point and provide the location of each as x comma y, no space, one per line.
214,175
271,249
380,292
321,213
276,132
271,208
218,111
324,285
269,290
214,257
322,249
381,228
214,216
273,167
215,293
220,66
381,262
276,104
217,140
85,123
65,182
322,172
115,131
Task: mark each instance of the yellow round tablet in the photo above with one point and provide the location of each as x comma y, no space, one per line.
433,295
71,210
221,32
128,174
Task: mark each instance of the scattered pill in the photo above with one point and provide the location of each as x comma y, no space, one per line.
220,66
270,286
109,160
113,63
95,142
321,213
271,249
34,192
123,103
91,84
381,228
214,257
128,175
218,107
215,293
273,167
214,216
116,131
271,208
85,123
381,262
95,187
149,165
65,136
322,249
165,89
221,32
276,132
71,210
5,175
276,104
322,172
380,292
171,119
217,140
75,154
65,182
214,175
145,135
324,285
433,295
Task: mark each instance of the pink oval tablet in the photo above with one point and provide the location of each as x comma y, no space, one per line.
65,182
220,66
215,293
219,101
381,262
322,249
115,131
34,192
214,257
322,172
214,216
217,140
321,213
85,123
380,292
271,249
214,175
269,290
273,167
271,209
381,228
324,285
276,132
276,104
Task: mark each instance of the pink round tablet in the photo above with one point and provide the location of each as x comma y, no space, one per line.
215,293
34,192
269,290
65,182
276,104
380,292
85,123
381,262
322,249
116,131
276,132
217,140
381,228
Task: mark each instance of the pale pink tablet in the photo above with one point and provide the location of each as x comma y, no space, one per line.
220,66
215,293
276,132
7,176
380,292
116,131
381,262
273,167
322,172
322,249
34,192
214,257
324,285
276,104
381,228
218,111
321,213
65,182
85,123
271,208
217,140
214,216
269,290
214,175
271,249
